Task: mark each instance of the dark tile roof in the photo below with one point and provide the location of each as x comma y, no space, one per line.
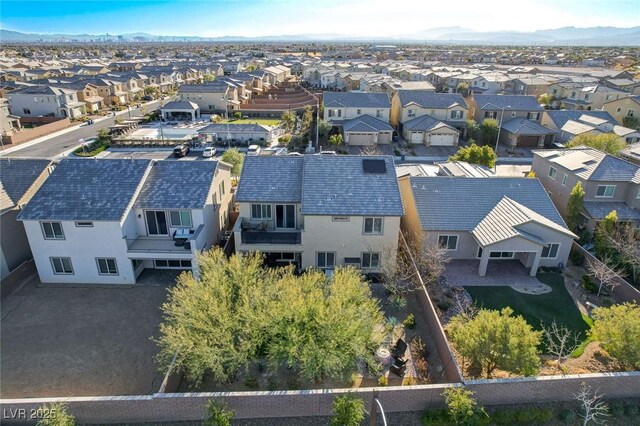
600,209
366,123
356,99
428,99
83,189
271,179
16,177
177,185
460,203
509,102
561,117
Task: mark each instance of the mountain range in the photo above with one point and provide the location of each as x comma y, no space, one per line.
565,36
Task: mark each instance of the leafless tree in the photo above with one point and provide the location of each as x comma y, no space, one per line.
371,150
560,341
592,408
625,239
605,272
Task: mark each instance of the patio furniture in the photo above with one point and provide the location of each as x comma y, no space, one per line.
399,349
398,371
383,355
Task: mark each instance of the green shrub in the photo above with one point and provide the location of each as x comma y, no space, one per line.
444,304
409,321
251,381
347,410
534,415
397,152
436,418
272,383
632,410
285,139
616,410
567,416
577,258
383,381
218,414
55,414
588,284
505,417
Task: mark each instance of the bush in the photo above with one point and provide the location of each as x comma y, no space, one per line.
436,418
284,139
505,417
383,381
616,410
567,416
347,410
534,415
409,321
588,284
218,414
251,381
272,383
577,258
444,304
632,410
55,415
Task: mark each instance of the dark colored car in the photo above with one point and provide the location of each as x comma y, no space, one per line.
147,98
181,150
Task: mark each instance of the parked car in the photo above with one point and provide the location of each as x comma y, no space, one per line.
181,150
253,150
147,98
209,151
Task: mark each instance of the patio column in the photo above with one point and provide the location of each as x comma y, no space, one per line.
541,142
484,262
536,263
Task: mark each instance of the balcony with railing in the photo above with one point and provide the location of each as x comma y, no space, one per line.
252,234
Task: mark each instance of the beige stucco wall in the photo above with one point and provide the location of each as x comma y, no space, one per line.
625,105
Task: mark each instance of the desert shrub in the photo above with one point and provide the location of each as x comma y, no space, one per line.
589,284
383,381
577,258
409,321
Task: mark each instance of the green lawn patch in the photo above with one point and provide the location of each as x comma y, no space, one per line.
91,151
536,309
265,121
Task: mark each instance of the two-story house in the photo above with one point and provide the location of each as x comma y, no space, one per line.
34,101
363,117
623,107
320,211
571,123
105,221
592,97
20,178
519,117
216,97
609,183
425,117
486,220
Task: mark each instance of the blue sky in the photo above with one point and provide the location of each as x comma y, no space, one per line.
276,17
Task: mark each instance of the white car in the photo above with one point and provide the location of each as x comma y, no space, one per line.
253,150
209,151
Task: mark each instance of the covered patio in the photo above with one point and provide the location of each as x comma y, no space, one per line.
511,273
180,110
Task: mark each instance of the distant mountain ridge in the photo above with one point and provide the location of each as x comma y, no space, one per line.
573,36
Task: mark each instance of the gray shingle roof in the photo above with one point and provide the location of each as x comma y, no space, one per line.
425,123
82,189
16,177
561,117
600,209
508,102
431,99
177,185
271,179
366,123
180,105
524,127
337,185
356,99
461,203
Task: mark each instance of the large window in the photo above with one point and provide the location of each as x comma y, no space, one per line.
326,260
62,265
107,266
261,211
605,191
156,222
456,114
564,179
172,264
550,251
501,255
52,230
448,242
553,172
371,260
180,218
373,225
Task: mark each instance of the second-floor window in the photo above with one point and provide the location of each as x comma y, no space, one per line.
630,113
553,172
605,191
180,218
411,113
261,211
379,113
373,225
456,114
564,179
52,230
491,114
533,116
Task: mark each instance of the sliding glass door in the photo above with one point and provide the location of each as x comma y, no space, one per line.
286,216
156,222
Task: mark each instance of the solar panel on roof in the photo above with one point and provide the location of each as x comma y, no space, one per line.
374,166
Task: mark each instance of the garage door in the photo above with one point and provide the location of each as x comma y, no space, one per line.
417,137
360,138
437,139
384,137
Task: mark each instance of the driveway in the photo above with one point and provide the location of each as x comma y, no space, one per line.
81,341
500,273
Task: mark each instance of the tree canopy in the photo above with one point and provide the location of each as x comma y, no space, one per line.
606,142
475,154
235,158
239,312
575,205
618,328
496,339
489,131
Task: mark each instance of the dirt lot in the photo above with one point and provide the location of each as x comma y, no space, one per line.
80,341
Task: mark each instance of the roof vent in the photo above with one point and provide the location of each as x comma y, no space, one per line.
374,166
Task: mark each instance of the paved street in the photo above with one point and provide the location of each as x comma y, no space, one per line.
56,145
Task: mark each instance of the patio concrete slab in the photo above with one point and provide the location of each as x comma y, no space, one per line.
81,341
500,273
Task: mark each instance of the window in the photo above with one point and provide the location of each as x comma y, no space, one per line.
573,94
371,260
180,218
331,112
456,114
552,172
491,114
52,230
618,110
379,113
84,224
156,222
586,97
359,111
373,225
513,114
221,189
501,254
605,191
340,219
533,116
448,242
564,180
62,265
411,113
261,211
26,110
550,251
630,113
179,264
107,266
326,260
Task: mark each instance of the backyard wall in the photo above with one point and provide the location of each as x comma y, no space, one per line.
190,406
45,126
622,290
